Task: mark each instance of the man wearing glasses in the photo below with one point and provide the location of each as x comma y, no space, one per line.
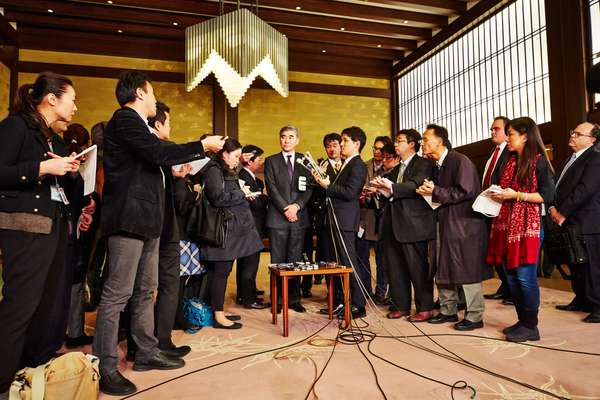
577,203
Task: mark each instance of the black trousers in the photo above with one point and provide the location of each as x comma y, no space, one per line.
218,272
286,247
592,271
246,270
35,280
306,284
406,264
168,292
342,249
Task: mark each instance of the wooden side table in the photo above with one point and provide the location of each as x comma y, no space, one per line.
330,273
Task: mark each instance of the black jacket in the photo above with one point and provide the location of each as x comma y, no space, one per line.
134,192
578,193
258,206
282,192
22,148
408,217
222,189
344,192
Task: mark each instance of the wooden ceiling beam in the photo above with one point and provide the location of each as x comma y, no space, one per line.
453,6
341,50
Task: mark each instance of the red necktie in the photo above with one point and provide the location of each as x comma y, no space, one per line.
490,170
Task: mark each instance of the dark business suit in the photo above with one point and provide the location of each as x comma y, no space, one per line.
495,180
408,224
578,199
342,222
247,267
132,218
287,238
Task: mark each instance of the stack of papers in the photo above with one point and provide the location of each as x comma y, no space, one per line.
87,170
485,205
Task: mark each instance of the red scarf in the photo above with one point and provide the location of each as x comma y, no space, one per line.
516,230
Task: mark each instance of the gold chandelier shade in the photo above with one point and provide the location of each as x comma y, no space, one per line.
236,47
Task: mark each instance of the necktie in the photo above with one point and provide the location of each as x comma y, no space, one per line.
490,170
401,172
571,161
290,169
338,165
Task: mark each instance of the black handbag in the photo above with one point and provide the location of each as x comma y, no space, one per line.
564,245
207,224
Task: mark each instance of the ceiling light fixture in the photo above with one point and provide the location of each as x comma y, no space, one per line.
50,10
298,8
236,47
176,23
119,30
342,29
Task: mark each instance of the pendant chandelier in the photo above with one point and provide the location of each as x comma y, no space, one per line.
236,47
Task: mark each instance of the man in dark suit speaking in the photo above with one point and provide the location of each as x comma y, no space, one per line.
132,218
343,214
287,219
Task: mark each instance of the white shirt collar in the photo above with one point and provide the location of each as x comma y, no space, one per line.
580,152
251,173
440,162
290,153
502,146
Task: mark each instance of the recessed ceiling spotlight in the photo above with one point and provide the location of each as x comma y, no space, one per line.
323,51
298,8
109,1
378,45
119,30
50,10
342,29
176,23
406,22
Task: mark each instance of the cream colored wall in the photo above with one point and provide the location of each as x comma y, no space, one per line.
191,112
263,112
4,90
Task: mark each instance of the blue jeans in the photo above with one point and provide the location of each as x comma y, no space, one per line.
523,286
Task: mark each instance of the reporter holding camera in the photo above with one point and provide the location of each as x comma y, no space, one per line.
33,220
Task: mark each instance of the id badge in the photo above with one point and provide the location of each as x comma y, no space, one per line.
302,184
57,193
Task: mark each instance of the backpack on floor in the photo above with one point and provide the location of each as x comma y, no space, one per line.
197,314
71,376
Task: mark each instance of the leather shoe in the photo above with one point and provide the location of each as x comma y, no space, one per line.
358,312
593,318
298,308
508,302
511,328
420,316
442,318
159,361
235,325
570,307
397,314
173,351
233,317
466,325
523,334
493,296
256,306
116,384
336,310
82,340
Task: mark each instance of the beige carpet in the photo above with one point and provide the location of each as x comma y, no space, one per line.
289,374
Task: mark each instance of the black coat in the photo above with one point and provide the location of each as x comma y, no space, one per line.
344,192
318,208
282,192
134,193
22,148
578,194
222,189
258,206
408,217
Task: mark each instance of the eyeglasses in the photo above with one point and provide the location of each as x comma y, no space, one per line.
578,134
375,148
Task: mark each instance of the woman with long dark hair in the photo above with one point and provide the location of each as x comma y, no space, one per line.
222,189
517,234
33,221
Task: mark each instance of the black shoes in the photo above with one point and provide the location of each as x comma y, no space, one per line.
511,328
358,312
466,325
523,334
337,310
298,308
571,307
159,361
233,317
116,384
82,340
593,318
173,351
508,302
494,296
442,318
256,306
235,325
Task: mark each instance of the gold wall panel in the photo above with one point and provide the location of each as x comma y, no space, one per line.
4,90
339,80
191,112
263,112
93,60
